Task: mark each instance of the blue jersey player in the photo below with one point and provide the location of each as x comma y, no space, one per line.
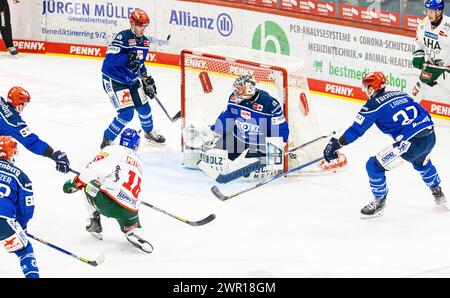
11,124
251,116
409,124
16,208
126,81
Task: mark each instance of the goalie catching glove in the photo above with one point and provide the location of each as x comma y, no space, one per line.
149,85
198,138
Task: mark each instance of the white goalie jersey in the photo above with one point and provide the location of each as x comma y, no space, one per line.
435,42
119,170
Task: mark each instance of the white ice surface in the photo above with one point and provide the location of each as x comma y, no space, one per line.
292,227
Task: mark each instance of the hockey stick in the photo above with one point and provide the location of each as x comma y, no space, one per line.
94,263
225,178
202,222
223,197
436,66
311,142
174,118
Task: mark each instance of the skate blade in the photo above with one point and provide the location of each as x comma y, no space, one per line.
99,236
156,144
376,214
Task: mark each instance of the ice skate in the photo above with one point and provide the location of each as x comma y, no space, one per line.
105,142
13,51
438,195
140,243
155,138
374,209
94,226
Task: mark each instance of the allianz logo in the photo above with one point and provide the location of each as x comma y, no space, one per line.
223,22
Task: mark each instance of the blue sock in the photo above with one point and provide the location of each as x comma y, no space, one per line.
118,124
377,178
145,116
429,174
28,262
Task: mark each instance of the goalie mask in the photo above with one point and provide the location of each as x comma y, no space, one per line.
244,87
130,138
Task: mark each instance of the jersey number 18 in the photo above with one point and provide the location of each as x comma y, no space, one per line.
129,185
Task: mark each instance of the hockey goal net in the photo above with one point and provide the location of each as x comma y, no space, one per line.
207,76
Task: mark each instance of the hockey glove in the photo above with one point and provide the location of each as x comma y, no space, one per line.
418,59
330,150
69,186
134,63
430,74
62,162
149,86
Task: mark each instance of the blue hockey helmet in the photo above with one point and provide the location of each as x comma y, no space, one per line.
130,138
434,4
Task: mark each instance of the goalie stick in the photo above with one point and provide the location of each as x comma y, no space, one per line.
225,178
94,263
215,190
201,222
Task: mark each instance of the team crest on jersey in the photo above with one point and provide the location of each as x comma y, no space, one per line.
442,33
246,114
102,155
146,43
132,42
258,107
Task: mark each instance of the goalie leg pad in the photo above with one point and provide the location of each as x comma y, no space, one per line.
390,157
214,162
191,158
